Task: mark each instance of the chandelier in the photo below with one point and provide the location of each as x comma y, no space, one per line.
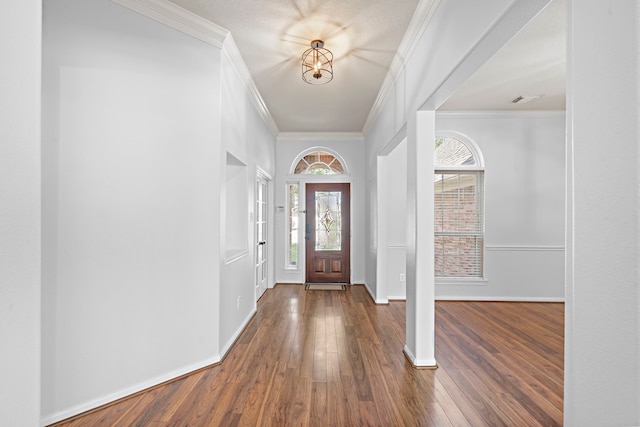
317,68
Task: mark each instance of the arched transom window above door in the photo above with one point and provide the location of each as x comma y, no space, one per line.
319,162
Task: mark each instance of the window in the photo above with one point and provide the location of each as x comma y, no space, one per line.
319,163
458,209
292,225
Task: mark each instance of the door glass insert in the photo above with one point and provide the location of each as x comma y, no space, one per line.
328,226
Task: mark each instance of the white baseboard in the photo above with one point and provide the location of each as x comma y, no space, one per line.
378,301
525,248
96,403
235,336
498,299
467,298
420,363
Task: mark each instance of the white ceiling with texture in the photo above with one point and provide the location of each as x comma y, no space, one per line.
364,36
271,36
533,63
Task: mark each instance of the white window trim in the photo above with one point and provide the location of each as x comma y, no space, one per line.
478,167
462,281
287,265
471,145
459,169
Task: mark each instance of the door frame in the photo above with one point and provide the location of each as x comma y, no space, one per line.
262,176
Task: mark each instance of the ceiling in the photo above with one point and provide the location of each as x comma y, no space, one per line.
364,36
533,63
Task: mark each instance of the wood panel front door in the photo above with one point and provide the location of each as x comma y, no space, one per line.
327,233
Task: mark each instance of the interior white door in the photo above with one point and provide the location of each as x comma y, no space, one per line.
261,236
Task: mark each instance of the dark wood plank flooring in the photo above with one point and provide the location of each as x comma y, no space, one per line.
334,358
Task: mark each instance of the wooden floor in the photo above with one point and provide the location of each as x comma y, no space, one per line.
333,358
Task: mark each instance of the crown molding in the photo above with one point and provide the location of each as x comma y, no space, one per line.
493,114
321,136
400,136
187,22
230,50
419,22
178,18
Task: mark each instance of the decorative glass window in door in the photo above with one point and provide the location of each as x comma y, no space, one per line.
328,227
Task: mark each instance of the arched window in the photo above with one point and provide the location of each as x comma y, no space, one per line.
458,208
319,162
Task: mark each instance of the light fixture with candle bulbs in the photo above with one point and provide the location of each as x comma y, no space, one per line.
317,64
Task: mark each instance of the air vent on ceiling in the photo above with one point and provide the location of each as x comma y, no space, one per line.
524,99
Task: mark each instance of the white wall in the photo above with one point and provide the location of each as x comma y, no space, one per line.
20,38
602,338
524,197
524,204
352,151
392,220
438,52
423,75
131,204
247,138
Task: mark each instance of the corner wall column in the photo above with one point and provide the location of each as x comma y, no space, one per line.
602,338
420,311
382,256
20,212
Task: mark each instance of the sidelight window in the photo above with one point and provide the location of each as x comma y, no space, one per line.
292,224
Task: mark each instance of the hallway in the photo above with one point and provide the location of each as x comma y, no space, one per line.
333,358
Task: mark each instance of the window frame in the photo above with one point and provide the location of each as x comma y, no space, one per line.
479,169
302,179
312,176
288,247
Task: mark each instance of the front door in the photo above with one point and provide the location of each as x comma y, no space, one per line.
327,233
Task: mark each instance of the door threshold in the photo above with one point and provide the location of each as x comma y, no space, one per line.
325,286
